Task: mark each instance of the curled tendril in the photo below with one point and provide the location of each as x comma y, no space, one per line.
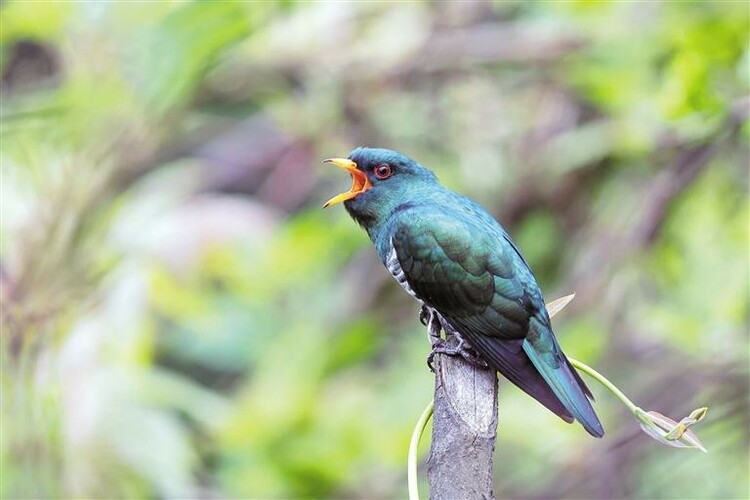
661,428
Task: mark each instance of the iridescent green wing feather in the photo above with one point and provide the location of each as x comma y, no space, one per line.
453,266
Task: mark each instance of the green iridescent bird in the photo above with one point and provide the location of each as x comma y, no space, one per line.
450,254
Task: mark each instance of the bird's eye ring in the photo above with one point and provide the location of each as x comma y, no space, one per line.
383,171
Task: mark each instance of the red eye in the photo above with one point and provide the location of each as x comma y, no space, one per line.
383,171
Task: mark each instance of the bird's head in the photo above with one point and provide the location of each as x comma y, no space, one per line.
381,181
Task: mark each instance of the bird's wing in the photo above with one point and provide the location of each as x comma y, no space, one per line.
458,268
454,266
478,281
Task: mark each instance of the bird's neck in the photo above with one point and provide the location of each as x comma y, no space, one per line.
368,219
377,222
376,216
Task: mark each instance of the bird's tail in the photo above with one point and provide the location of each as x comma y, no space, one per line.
545,353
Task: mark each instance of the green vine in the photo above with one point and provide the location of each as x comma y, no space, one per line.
416,437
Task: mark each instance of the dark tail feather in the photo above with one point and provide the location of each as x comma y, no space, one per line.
564,381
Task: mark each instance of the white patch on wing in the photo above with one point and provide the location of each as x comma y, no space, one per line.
394,267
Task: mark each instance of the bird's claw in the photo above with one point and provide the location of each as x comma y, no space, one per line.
461,349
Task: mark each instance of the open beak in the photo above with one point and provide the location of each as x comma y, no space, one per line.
360,182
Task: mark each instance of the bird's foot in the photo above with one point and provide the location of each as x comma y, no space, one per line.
435,325
462,349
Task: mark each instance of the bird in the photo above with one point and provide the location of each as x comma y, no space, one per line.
450,254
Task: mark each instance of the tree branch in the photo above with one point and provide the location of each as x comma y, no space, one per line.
464,427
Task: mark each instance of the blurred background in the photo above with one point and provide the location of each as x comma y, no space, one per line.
181,319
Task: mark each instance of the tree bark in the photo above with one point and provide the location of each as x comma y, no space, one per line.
464,428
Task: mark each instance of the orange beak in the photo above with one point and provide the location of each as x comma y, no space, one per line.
360,182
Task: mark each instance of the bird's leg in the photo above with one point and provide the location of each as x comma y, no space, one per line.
446,346
462,349
431,319
433,323
425,316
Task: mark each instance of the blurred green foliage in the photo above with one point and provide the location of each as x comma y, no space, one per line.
180,319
